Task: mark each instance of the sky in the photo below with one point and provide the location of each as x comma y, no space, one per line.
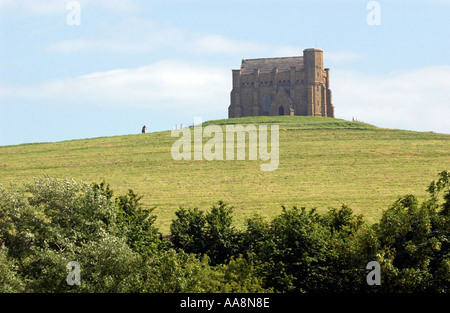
86,69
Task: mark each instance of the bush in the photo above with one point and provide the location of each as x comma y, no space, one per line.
10,281
48,223
179,272
52,222
296,252
414,249
187,230
212,233
221,238
136,223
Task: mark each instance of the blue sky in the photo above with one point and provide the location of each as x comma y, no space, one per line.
161,63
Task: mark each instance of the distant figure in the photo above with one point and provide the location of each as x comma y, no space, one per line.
144,129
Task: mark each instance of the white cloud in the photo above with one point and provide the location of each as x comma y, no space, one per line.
417,99
131,35
165,85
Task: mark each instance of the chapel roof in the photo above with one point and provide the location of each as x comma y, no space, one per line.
266,65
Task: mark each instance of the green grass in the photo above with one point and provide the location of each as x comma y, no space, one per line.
324,163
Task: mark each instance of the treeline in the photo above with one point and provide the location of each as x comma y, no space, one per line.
46,224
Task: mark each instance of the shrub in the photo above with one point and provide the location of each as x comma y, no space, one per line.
221,238
136,223
52,222
10,281
188,230
211,233
48,223
412,244
295,254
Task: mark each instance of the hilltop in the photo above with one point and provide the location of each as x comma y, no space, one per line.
324,162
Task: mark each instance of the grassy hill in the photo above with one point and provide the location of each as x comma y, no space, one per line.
324,162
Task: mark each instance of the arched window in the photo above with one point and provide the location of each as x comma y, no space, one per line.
267,107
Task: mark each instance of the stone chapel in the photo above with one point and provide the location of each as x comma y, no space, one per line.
298,85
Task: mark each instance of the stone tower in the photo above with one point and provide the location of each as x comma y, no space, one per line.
282,86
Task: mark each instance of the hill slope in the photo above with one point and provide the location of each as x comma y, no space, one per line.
324,162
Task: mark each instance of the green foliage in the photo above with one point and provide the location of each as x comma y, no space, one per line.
240,275
220,236
109,265
176,271
48,223
188,229
414,247
136,223
211,233
342,221
435,187
296,252
52,222
257,232
303,251
9,278
19,223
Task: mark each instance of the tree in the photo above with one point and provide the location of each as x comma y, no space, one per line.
413,242
136,223
221,238
212,233
10,281
51,222
188,230
296,251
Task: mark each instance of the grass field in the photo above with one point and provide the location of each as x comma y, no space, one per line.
324,162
